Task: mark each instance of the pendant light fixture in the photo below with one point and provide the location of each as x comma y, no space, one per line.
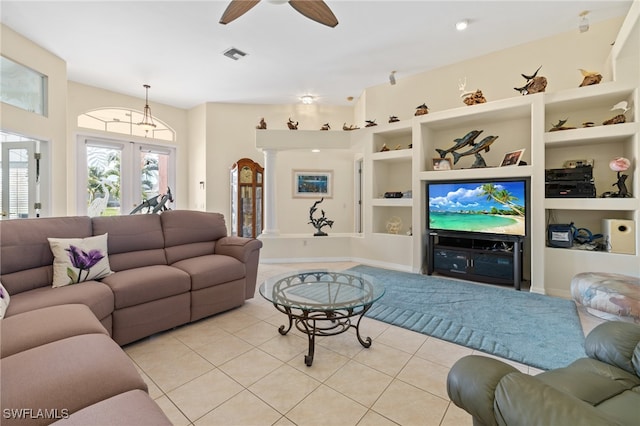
147,120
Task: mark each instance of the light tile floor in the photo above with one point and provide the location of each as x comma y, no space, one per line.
236,369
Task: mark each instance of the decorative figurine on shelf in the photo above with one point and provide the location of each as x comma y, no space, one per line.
422,110
483,145
384,148
470,98
475,98
320,222
262,125
619,165
350,127
588,124
394,225
560,126
460,142
325,126
370,123
590,77
292,125
535,83
620,118
393,119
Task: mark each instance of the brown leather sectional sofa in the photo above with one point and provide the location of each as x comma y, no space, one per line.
60,346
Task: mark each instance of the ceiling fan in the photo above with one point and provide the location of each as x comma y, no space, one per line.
316,10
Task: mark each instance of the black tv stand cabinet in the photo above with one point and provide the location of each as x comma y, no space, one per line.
494,259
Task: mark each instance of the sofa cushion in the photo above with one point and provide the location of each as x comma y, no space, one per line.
207,271
97,296
35,328
79,259
191,233
25,256
68,374
130,408
134,241
145,284
4,300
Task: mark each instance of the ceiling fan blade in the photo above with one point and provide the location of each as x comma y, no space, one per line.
236,9
316,10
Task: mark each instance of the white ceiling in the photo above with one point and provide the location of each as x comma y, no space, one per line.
176,46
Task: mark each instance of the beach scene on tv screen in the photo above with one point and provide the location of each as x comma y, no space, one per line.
493,207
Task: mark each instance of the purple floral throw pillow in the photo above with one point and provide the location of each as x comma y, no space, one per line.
79,259
4,301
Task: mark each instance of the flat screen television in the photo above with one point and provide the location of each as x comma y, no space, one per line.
493,206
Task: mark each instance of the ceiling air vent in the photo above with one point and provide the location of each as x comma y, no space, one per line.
234,53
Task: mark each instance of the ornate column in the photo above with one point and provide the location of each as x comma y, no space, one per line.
270,216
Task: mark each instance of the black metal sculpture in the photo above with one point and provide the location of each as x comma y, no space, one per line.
156,204
320,222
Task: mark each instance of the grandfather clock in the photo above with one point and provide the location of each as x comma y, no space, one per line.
247,198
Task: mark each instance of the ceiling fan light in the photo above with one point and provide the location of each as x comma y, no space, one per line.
307,99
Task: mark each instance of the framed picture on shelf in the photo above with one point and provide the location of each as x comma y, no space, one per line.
441,164
512,158
312,183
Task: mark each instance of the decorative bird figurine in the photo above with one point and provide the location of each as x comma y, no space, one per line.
622,105
422,109
325,126
292,125
531,77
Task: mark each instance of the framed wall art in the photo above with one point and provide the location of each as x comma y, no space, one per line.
312,183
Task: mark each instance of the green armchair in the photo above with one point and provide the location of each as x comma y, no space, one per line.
603,389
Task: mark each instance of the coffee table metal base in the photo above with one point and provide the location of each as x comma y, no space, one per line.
323,323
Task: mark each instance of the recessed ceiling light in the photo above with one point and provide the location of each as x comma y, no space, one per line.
307,99
462,25
315,150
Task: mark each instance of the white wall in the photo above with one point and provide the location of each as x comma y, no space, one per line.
231,135
496,74
51,128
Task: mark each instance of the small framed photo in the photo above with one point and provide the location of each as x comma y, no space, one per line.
312,183
512,158
441,164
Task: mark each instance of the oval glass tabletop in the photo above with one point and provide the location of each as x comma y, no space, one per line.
320,290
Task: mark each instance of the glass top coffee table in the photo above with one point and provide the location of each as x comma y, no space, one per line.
322,302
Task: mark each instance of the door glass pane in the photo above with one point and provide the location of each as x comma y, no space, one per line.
103,186
17,186
154,173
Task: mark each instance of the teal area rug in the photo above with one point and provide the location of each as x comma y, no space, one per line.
537,330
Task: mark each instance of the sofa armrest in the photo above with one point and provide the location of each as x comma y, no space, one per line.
614,343
238,247
521,399
471,385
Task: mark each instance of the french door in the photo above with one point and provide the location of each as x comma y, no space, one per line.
116,176
19,172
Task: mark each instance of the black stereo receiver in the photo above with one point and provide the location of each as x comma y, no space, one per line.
582,174
570,189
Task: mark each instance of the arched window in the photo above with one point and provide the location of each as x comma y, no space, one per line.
124,121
